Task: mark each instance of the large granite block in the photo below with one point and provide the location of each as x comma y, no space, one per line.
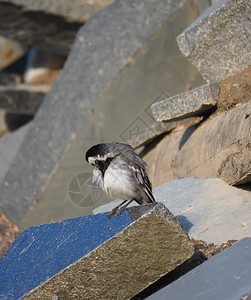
189,104
225,276
94,257
208,209
117,66
218,42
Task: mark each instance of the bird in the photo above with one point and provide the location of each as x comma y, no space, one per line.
121,173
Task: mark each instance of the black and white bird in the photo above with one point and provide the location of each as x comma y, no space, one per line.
120,172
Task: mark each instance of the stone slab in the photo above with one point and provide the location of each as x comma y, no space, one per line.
219,147
52,25
140,136
94,257
22,98
207,209
225,276
189,104
10,144
218,42
106,83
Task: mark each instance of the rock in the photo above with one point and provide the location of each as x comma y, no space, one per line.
95,257
191,103
234,89
217,43
9,51
8,233
3,125
43,66
208,209
50,25
140,133
22,98
220,147
225,276
106,83
10,144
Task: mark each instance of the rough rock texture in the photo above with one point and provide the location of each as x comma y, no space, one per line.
191,103
95,257
235,89
220,147
208,209
48,24
218,42
23,99
8,233
10,144
141,133
106,82
225,276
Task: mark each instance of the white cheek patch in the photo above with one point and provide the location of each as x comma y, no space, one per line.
91,160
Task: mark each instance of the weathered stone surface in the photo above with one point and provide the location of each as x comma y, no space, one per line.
191,103
139,136
48,24
218,42
95,257
225,276
220,147
107,82
22,98
208,209
10,144
234,89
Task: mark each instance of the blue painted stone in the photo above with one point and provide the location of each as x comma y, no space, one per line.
225,276
41,252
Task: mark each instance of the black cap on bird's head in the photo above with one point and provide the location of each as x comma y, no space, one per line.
106,150
93,151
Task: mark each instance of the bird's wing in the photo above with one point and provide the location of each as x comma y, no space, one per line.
142,179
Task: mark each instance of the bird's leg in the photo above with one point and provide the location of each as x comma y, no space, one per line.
115,209
119,212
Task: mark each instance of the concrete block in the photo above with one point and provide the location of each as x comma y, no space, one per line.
218,42
225,276
189,104
94,257
208,209
117,66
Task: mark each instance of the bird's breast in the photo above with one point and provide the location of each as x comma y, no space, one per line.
118,184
